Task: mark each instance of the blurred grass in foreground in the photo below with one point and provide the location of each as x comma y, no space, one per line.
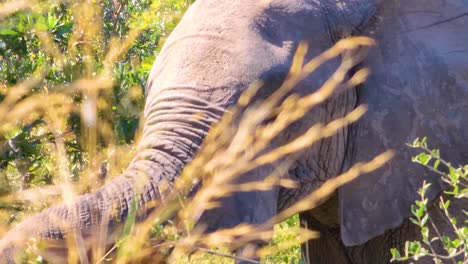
72,78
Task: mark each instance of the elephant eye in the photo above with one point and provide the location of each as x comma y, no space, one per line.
281,22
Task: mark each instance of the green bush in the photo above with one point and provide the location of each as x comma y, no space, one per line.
455,247
42,40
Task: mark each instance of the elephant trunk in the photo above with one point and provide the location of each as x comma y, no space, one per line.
173,131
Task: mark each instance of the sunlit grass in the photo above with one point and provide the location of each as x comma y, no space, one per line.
236,145
285,238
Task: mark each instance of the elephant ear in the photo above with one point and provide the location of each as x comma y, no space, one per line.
381,200
413,92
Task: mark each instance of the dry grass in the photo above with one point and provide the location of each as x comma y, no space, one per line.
236,145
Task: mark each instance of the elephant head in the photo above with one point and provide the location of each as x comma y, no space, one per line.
220,47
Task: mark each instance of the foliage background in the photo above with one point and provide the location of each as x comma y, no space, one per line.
22,54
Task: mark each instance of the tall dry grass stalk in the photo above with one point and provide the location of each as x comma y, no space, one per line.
239,143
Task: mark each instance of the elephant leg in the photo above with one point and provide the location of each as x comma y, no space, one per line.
328,248
377,250
325,249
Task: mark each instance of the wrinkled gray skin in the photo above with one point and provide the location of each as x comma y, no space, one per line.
418,88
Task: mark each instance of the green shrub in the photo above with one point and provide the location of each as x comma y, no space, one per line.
42,40
455,247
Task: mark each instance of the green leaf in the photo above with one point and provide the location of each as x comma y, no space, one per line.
414,221
456,243
453,220
424,158
425,233
455,191
420,211
423,190
424,219
445,205
453,174
465,231
463,192
446,240
130,222
423,142
414,247
8,32
128,226
41,24
395,254
414,210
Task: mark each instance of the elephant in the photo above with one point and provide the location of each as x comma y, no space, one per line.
417,88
